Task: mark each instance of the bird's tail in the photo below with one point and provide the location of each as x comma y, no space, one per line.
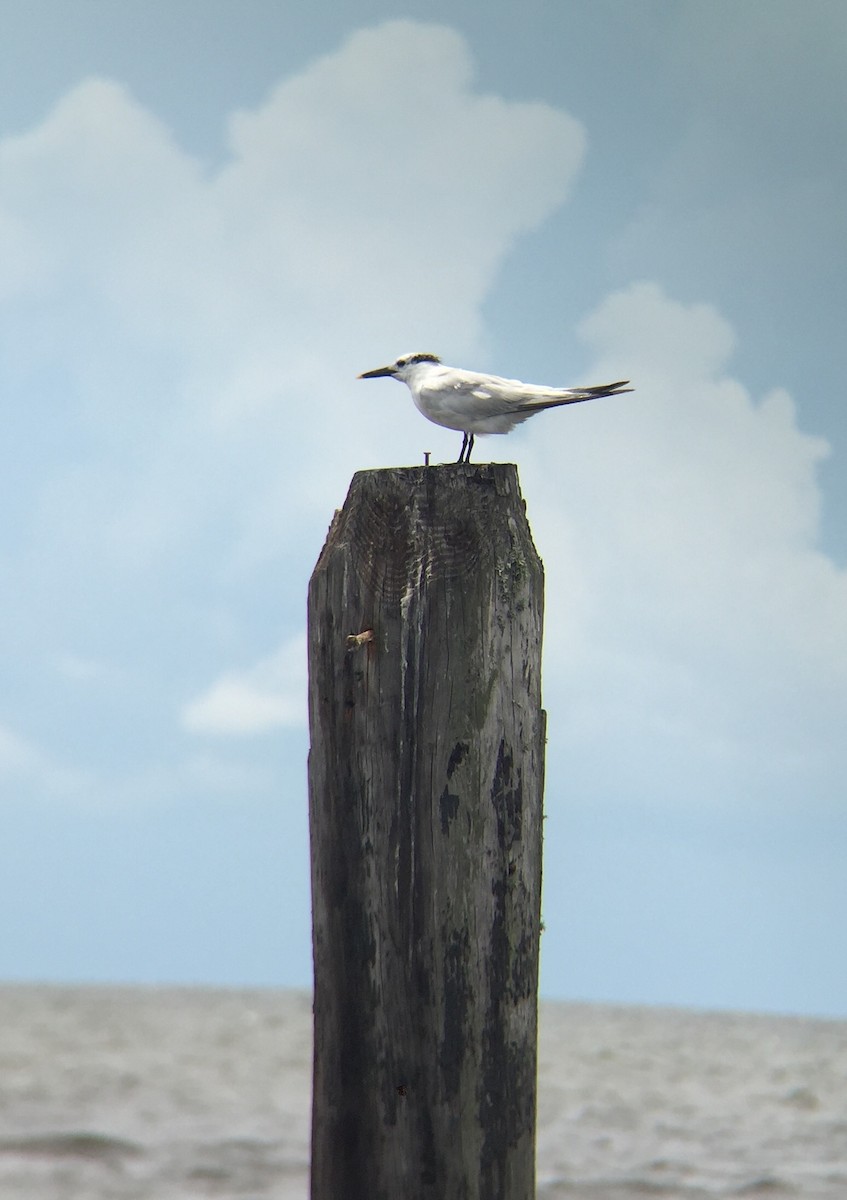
577,395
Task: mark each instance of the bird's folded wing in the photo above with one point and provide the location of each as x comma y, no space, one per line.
488,393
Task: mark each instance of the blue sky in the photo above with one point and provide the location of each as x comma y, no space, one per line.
212,217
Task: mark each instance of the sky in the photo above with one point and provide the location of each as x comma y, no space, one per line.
213,216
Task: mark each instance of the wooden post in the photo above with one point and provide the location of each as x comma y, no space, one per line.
425,797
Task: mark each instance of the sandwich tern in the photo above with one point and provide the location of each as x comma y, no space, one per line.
474,403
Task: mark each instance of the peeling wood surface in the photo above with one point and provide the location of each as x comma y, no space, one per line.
425,795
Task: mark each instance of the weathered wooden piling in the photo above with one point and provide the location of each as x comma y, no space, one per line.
425,799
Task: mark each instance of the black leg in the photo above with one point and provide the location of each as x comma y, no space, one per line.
461,457
470,447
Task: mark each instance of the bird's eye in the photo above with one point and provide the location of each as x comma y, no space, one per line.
403,362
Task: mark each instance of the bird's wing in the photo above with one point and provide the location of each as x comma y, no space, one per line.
469,401
492,393
479,403
513,395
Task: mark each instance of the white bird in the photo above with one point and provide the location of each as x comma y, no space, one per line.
475,403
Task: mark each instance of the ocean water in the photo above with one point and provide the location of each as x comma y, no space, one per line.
177,1093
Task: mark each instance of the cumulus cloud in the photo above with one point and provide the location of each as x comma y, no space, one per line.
267,696
180,345
29,772
373,172
202,324
693,619
17,756
380,169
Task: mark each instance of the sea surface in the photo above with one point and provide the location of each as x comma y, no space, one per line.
178,1093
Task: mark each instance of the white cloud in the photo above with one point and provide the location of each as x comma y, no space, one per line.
267,696
81,669
189,339
28,771
30,774
179,348
208,326
17,755
708,640
380,172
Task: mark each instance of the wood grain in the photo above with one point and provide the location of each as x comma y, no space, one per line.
425,793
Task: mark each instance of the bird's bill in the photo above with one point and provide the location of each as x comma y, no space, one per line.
377,374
